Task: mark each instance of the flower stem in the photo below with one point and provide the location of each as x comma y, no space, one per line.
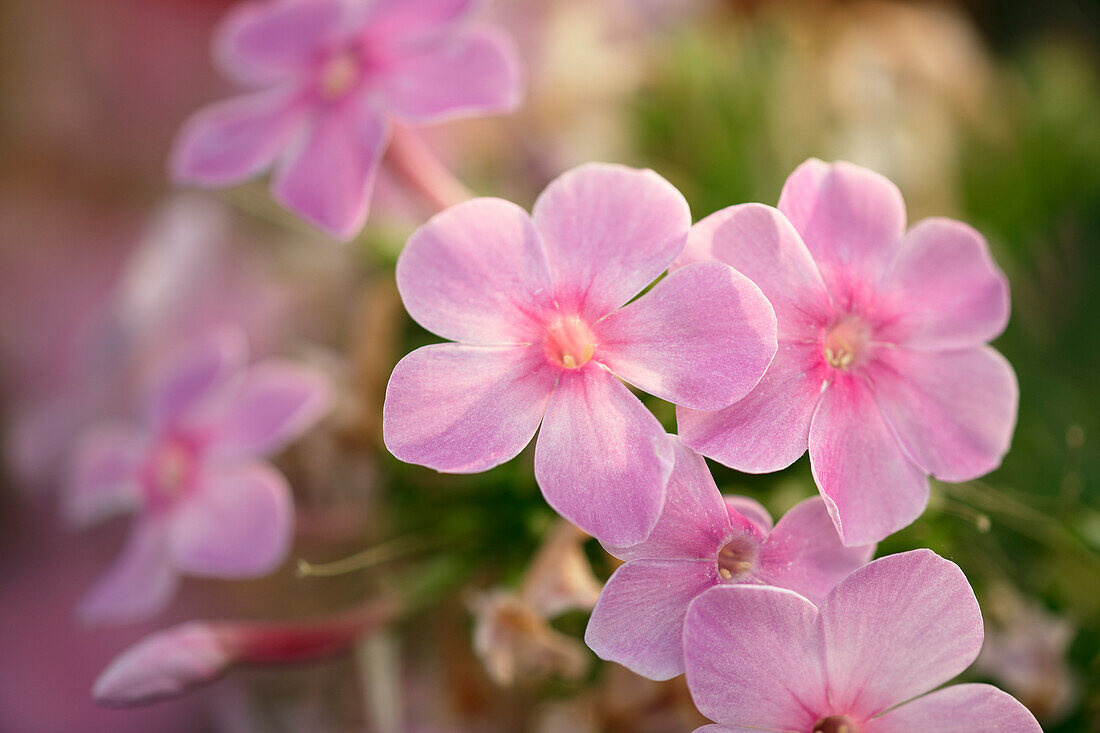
410,159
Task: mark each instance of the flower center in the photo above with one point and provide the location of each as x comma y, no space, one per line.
846,342
737,558
836,724
170,471
569,342
340,73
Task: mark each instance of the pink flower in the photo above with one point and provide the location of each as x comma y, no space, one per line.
80,355
1027,652
334,75
191,470
767,659
882,366
538,306
702,541
172,662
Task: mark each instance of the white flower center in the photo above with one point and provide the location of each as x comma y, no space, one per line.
737,558
340,73
846,342
569,342
170,471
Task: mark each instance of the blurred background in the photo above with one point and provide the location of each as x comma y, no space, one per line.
982,110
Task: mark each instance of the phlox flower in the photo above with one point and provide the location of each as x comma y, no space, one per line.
74,360
332,77
192,470
538,305
760,658
701,541
883,368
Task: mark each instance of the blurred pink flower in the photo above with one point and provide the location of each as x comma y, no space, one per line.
74,356
206,505
882,367
766,658
334,76
1026,651
702,541
172,662
537,305
53,302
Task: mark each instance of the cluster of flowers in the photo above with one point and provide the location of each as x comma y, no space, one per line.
821,324
335,78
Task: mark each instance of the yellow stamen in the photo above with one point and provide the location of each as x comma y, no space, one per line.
736,558
339,75
840,357
569,342
846,342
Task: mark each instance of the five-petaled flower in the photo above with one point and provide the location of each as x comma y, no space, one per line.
192,470
883,368
700,541
538,304
761,658
333,76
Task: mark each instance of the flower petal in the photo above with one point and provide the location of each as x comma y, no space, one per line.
954,411
946,288
162,665
329,177
897,628
702,337
237,525
465,409
639,619
195,376
475,73
609,231
804,552
769,429
753,657
140,582
234,140
851,219
104,476
477,273
871,487
759,242
264,42
959,709
751,510
275,404
602,460
400,19
694,519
